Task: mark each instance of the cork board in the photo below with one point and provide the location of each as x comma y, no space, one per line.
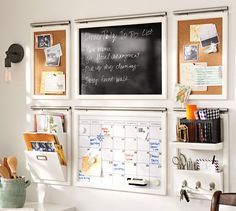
213,59
57,37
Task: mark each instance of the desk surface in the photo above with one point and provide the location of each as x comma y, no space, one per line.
34,206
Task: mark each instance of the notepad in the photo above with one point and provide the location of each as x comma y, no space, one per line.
52,82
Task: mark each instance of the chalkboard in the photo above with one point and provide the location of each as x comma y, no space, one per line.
121,60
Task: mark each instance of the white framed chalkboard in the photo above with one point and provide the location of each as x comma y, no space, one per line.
122,58
114,147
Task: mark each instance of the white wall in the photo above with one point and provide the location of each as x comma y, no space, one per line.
15,19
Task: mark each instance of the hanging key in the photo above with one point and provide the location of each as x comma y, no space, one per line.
185,194
181,194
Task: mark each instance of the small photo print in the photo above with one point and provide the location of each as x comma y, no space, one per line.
208,34
52,59
191,52
43,41
52,55
42,146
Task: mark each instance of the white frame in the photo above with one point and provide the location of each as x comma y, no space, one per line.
110,112
67,81
130,21
224,15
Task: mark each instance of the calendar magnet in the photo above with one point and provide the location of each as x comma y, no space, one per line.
82,130
137,181
157,182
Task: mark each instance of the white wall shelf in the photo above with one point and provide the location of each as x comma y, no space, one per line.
197,146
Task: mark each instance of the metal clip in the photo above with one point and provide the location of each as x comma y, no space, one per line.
198,185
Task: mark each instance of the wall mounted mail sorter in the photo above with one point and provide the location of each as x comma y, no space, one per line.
48,153
202,44
122,57
120,150
206,165
50,60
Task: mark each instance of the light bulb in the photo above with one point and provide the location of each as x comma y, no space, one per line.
7,76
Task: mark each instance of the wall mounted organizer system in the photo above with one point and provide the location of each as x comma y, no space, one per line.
51,81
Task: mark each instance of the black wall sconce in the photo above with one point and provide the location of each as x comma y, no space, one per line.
15,54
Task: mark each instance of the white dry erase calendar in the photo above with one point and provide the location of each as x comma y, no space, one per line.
121,150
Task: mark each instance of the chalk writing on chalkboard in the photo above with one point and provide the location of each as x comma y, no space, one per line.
121,59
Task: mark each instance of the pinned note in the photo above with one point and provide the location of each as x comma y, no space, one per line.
52,82
91,163
187,75
208,76
154,145
96,141
118,168
154,159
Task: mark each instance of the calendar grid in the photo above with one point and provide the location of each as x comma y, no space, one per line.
126,148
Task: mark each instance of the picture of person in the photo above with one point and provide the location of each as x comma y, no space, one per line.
43,41
190,52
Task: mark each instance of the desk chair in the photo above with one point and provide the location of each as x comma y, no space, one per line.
222,198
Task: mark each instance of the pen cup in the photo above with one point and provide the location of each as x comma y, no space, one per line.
13,192
190,110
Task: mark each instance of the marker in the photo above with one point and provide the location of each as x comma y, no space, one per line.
213,159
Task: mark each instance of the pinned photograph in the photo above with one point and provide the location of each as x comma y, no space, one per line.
208,34
43,41
191,52
53,55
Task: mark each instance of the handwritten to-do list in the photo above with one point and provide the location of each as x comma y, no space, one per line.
121,59
114,148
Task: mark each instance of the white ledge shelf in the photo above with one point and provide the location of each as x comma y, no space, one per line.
197,146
